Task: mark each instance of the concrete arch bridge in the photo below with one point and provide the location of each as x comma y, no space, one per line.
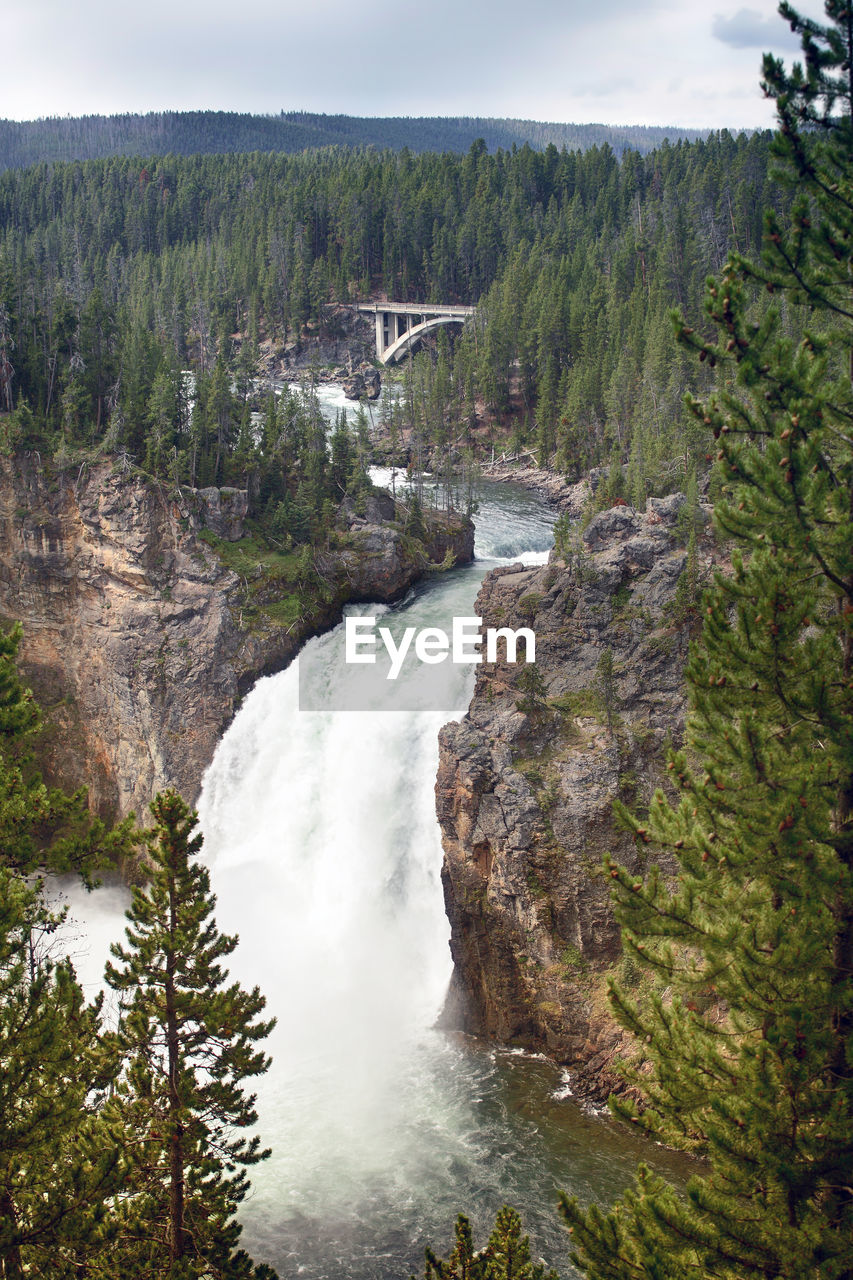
401,325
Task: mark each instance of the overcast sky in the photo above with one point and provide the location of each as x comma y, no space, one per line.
681,62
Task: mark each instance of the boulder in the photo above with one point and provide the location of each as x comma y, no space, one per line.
376,508
354,388
364,384
223,511
617,524
666,509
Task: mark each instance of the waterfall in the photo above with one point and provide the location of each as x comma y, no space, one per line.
325,856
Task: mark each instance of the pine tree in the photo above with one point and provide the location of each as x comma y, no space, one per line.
189,1039
61,1163
43,826
505,1257
748,1034
606,688
60,1160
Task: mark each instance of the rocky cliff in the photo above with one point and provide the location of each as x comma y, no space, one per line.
149,612
527,781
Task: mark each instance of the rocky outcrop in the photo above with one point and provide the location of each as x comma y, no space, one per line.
139,640
375,560
222,511
528,777
364,384
344,340
381,563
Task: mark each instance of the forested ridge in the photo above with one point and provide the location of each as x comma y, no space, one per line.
117,274
135,299
91,137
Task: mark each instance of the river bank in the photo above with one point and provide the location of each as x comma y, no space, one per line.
548,485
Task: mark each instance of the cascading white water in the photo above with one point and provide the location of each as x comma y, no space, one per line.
325,857
322,836
331,399
322,839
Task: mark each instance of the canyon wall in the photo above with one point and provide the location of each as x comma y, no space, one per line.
528,777
138,639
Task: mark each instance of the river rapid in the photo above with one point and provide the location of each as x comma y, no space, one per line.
325,856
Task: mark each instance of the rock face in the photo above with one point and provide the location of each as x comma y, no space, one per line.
528,777
134,640
222,511
373,565
346,339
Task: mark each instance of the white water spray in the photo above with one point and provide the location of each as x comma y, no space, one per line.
325,857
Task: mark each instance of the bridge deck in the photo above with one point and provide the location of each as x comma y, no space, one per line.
415,308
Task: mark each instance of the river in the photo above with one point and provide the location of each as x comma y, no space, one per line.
325,856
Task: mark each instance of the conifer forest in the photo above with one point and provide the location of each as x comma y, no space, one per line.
658,320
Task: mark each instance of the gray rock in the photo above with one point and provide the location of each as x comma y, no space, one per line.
375,508
658,587
666,509
619,523
525,802
365,384
645,549
379,506
354,388
222,511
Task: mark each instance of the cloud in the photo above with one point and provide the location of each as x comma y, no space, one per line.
603,88
568,59
748,29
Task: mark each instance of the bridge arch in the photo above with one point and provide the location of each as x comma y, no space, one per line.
410,339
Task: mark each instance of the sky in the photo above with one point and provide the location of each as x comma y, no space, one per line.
669,62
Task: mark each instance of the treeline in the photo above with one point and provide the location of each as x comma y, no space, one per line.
116,275
183,133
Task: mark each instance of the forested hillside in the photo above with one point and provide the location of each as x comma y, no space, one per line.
116,275
204,132
636,314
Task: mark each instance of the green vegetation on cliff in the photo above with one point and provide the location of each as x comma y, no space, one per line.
121,1152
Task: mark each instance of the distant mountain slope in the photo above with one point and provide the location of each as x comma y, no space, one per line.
192,132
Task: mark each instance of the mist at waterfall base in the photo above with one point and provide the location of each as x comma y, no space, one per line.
325,856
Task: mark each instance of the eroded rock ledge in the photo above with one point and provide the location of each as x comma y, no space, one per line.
524,798
136,640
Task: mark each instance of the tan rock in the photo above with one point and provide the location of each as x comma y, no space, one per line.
525,800
133,630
